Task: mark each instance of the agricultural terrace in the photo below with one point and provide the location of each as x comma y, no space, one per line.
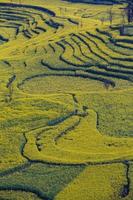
66,77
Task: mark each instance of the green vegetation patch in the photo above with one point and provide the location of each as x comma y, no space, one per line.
44,180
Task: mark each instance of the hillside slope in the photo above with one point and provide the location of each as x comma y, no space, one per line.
66,86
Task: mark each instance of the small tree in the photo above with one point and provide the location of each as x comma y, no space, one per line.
110,14
123,21
81,23
102,20
9,96
106,85
129,10
123,15
10,93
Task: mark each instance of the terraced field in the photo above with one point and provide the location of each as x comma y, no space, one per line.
66,130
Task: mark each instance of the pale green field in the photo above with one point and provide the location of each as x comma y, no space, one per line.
66,96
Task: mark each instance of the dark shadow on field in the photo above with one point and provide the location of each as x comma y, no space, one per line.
44,180
14,5
106,2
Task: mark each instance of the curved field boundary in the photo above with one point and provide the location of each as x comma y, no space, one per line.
81,50
98,78
102,57
68,69
78,57
45,10
111,75
105,40
66,131
112,40
3,39
102,43
117,57
95,2
70,155
94,54
22,188
73,21
62,57
15,169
